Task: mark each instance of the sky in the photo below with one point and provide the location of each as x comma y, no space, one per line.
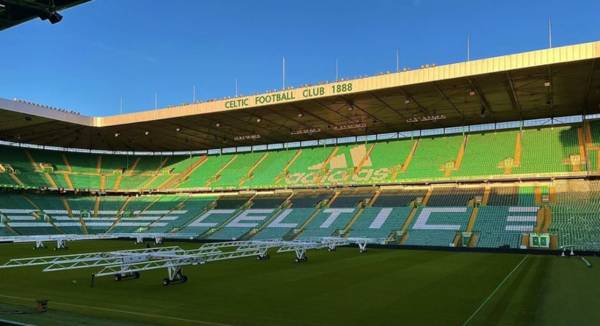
108,52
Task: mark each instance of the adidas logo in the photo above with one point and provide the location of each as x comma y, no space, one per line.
358,155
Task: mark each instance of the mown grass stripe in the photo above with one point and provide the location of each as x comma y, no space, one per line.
142,314
489,297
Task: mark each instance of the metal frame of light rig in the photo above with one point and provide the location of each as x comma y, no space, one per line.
62,239
126,264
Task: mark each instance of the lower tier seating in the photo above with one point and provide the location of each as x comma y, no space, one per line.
437,226
285,222
502,216
379,222
504,225
328,222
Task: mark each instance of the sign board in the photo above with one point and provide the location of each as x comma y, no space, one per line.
539,240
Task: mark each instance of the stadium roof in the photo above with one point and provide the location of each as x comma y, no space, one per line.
539,84
14,12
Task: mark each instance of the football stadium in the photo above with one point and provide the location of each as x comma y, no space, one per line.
451,194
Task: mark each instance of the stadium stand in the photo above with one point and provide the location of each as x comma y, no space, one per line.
442,171
262,211
327,222
270,172
538,151
437,226
454,196
574,215
482,160
380,222
435,158
500,216
484,216
351,198
500,225
398,198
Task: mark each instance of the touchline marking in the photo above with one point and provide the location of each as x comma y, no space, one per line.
495,290
194,321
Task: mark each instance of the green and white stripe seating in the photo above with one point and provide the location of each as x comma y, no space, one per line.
379,222
327,221
437,226
504,225
287,220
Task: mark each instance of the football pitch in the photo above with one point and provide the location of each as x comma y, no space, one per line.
380,287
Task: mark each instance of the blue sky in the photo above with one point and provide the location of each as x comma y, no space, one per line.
108,49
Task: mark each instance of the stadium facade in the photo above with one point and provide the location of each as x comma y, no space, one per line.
499,152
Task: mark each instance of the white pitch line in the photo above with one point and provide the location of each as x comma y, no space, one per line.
495,290
193,321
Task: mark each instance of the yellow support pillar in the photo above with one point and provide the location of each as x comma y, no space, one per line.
472,219
218,173
16,179
177,179
518,151
97,206
427,196
252,169
487,192
461,153
99,164
410,156
50,180
66,161
68,181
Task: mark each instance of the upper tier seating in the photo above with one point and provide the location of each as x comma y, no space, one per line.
433,158
271,169
547,150
533,152
231,177
481,159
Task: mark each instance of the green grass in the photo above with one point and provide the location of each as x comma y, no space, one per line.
381,287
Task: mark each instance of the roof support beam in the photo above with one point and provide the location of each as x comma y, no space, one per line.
550,92
182,137
308,112
326,107
328,124
387,105
192,132
304,125
481,96
167,138
588,88
369,114
512,94
280,126
30,134
248,131
411,98
437,87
